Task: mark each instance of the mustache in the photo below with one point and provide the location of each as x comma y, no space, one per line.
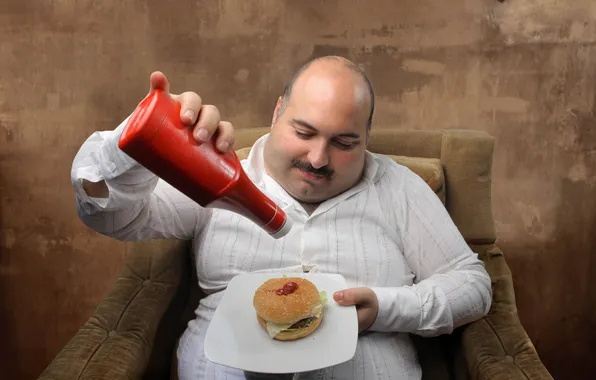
324,171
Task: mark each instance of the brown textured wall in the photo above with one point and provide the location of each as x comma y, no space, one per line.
523,70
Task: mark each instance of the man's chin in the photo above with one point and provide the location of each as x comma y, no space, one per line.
304,194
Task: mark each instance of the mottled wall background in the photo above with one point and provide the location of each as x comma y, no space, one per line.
523,70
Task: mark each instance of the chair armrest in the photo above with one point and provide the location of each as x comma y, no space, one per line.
497,346
116,342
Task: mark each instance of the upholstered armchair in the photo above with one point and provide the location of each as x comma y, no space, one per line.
134,330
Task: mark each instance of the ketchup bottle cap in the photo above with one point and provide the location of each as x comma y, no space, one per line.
284,230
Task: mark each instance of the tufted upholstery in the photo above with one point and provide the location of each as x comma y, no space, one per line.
133,332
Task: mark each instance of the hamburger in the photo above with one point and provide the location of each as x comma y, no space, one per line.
289,308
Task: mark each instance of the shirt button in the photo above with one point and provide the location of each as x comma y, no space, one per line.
307,267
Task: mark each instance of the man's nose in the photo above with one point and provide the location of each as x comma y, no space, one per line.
318,156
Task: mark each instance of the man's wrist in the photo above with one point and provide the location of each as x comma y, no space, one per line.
399,310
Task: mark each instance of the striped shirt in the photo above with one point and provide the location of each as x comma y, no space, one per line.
389,232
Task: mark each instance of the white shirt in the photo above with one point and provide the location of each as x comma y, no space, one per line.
389,232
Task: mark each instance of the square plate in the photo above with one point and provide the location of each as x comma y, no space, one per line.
235,338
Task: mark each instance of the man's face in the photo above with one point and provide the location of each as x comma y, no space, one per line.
317,146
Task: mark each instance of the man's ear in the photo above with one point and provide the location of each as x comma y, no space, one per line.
276,112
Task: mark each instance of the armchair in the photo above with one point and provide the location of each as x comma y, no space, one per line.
133,332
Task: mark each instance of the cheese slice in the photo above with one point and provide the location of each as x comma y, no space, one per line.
274,329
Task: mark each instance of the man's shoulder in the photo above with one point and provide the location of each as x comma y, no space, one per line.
388,168
396,177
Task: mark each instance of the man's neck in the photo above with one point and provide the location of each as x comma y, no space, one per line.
309,207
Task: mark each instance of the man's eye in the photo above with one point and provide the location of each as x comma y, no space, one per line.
344,146
303,135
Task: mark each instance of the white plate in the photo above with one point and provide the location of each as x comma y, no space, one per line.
235,338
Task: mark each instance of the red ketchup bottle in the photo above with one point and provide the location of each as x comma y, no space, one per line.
156,138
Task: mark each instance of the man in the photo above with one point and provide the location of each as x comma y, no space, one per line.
354,212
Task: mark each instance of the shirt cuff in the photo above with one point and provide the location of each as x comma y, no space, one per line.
100,159
399,310
112,160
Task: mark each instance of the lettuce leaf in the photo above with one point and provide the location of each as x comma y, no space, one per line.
323,296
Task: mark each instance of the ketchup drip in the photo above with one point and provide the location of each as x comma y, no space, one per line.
288,288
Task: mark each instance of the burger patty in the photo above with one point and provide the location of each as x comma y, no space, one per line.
302,323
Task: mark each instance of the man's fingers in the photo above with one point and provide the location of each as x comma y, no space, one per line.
158,81
225,137
205,118
354,296
207,124
190,106
365,300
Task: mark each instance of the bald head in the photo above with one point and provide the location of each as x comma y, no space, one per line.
332,76
319,130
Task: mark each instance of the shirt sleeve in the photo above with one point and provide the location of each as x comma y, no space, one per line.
451,286
140,206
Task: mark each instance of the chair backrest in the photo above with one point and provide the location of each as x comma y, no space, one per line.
466,159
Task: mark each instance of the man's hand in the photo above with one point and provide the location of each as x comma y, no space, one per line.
205,118
367,305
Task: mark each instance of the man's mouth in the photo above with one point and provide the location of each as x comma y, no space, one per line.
312,176
312,173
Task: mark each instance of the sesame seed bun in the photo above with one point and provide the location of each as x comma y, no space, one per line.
286,308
